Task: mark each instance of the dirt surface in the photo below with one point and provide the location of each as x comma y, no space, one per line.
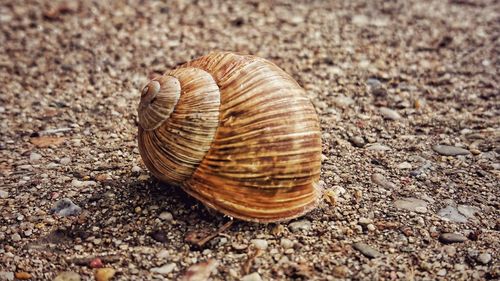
390,80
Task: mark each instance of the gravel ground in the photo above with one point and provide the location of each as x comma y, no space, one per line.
408,96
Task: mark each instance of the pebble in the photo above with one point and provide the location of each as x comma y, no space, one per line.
166,216
389,114
251,277
366,250
301,225
286,243
442,272
260,243
16,237
159,236
343,101
377,147
450,250
163,254
5,275
451,213
65,161
77,183
449,238
357,141
340,271
96,263
22,275
166,269
404,166
35,157
67,276
484,258
379,179
3,194
449,150
136,169
411,204
104,274
65,207
364,221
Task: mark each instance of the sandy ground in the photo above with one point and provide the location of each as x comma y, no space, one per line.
389,79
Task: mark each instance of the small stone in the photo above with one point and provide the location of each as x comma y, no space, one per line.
366,250
442,272
166,216
379,179
484,258
79,184
67,276
35,157
340,271
260,244
5,275
65,207
163,254
104,274
449,238
65,161
165,269
286,243
404,166
389,114
343,101
364,221
411,204
448,150
377,147
451,213
159,235
136,169
16,237
357,141
301,225
371,227
251,277
459,267
22,275
238,246
96,263
450,250
3,194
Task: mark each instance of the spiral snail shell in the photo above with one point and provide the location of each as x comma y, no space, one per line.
235,132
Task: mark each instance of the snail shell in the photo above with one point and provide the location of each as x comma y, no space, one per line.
235,132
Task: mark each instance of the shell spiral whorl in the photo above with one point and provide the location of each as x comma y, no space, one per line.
235,132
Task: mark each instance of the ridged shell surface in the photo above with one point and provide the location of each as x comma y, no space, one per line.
235,132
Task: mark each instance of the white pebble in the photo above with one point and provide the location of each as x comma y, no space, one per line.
136,169
166,216
35,157
251,277
163,254
390,114
286,243
65,161
166,269
3,194
260,244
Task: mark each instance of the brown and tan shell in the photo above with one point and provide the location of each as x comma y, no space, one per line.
235,132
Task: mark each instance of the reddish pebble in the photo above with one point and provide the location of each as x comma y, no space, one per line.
96,263
23,275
